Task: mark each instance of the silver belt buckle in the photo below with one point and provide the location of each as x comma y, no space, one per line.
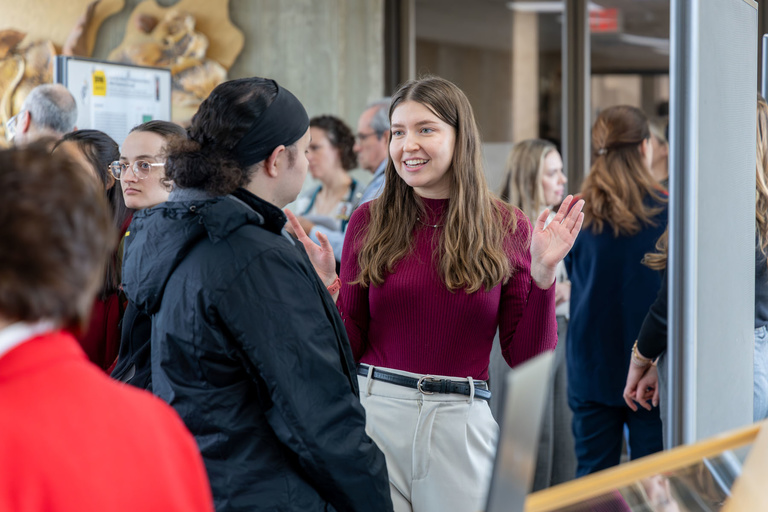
421,381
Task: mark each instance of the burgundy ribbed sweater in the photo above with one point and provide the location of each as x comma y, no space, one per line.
412,322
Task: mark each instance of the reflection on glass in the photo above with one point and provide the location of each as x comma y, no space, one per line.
700,487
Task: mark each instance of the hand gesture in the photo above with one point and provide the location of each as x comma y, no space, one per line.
642,387
550,244
321,255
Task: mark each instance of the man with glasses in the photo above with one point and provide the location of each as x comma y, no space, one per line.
48,113
372,148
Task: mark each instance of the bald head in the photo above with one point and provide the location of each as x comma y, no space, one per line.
49,111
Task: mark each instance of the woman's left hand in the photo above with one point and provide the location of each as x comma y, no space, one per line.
321,255
550,244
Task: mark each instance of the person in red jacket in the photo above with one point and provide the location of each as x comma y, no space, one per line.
71,439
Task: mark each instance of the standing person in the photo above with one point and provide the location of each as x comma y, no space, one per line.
371,146
47,114
430,270
94,151
247,344
652,338
331,157
139,168
624,216
535,181
71,438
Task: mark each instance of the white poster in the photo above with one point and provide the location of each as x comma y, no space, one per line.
114,97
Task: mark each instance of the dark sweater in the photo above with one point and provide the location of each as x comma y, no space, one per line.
611,291
412,322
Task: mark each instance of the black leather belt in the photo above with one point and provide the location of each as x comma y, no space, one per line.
428,385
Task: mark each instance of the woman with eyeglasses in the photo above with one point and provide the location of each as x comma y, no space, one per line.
93,151
141,172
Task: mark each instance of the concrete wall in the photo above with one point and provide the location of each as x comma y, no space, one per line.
329,53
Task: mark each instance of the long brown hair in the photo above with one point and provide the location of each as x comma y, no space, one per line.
657,260
525,167
620,182
471,248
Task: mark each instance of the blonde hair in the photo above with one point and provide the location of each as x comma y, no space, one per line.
471,252
616,189
525,167
761,180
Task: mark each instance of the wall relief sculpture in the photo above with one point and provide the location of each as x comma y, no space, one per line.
194,38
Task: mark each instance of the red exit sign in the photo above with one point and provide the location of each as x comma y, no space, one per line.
604,21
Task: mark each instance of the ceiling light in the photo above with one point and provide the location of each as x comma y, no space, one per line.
546,7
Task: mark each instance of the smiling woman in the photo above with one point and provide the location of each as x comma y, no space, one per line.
422,149
430,270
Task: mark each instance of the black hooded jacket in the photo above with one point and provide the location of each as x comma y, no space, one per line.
248,347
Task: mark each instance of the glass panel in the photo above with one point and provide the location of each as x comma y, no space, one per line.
506,56
700,487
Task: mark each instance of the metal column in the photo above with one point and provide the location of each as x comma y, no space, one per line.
576,120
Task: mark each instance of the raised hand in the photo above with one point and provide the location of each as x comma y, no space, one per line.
321,255
550,244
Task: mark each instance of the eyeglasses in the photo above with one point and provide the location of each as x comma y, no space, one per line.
10,127
140,168
360,137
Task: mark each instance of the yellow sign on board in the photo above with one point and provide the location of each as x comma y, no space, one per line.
99,83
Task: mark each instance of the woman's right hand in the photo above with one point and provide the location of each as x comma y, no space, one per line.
642,387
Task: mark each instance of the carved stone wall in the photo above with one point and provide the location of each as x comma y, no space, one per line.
329,53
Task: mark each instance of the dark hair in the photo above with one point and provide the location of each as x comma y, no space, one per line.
205,161
165,129
340,136
54,248
100,150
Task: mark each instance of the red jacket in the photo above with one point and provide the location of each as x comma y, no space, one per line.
71,439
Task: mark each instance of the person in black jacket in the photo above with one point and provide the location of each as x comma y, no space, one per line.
140,171
247,343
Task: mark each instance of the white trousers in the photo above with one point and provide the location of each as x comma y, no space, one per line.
439,448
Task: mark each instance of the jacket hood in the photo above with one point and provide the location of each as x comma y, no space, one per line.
159,238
